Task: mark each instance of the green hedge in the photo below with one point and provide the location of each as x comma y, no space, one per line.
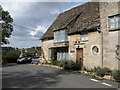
55,62
116,75
66,64
69,65
102,71
11,56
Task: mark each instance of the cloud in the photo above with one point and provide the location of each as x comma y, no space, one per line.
38,29
51,0
36,16
56,11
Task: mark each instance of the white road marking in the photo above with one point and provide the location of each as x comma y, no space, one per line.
106,84
94,80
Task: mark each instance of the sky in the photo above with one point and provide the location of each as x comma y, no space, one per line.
32,19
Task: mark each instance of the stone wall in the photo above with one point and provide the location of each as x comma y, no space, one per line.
89,59
72,48
45,48
110,38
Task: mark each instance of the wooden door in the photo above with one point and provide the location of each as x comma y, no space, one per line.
79,59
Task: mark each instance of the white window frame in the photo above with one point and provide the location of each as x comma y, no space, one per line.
116,23
60,36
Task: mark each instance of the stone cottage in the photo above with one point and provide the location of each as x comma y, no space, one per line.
87,34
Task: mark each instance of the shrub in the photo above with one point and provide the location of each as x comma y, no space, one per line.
4,58
84,68
55,62
96,69
29,54
47,62
93,76
87,69
69,65
12,55
62,63
116,75
102,71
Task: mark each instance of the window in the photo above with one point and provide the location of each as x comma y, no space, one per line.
95,50
114,22
60,36
118,21
84,36
62,54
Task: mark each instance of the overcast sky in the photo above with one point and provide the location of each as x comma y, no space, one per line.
37,16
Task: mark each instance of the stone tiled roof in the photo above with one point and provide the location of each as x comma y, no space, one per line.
83,17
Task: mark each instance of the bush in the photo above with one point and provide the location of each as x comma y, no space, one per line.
69,65
29,54
12,55
102,71
47,62
55,62
62,63
116,75
4,58
87,69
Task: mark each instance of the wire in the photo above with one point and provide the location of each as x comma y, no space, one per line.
25,27
33,38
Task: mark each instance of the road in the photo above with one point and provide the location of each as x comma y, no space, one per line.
33,76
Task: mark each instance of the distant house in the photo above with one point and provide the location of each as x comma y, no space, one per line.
33,51
87,34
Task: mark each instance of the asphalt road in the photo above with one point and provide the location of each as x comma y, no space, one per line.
33,76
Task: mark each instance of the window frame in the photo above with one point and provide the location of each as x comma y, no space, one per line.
60,36
115,22
94,48
83,36
62,53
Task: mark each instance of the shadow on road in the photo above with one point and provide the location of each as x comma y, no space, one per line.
29,79
10,65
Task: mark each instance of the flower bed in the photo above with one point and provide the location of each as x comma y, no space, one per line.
96,72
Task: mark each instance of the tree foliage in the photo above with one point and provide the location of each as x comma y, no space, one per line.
11,56
6,27
29,54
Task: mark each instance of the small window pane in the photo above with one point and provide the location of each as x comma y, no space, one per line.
95,50
55,36
60,36
63,33
112,22
84,36
117,21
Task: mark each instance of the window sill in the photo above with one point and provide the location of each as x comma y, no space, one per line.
61,42
84,40
114,29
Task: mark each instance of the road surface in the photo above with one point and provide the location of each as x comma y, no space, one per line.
33,76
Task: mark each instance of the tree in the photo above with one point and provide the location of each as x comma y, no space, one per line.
12,55
29,54
5,26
